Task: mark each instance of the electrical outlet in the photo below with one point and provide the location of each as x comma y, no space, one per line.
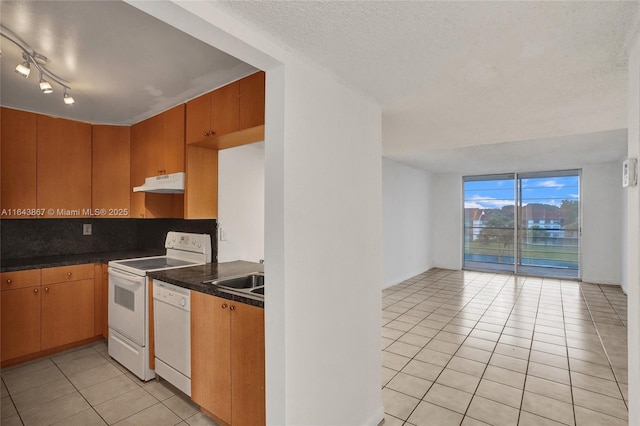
86,229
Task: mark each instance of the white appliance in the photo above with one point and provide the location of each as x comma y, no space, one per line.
129,297
172,183
172,334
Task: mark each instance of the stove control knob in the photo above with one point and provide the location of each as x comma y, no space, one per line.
183,302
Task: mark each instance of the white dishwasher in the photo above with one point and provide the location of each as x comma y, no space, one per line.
172,334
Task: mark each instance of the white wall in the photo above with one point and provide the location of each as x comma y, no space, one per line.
322,228
406,222
447,221
632,235
601,223
241,203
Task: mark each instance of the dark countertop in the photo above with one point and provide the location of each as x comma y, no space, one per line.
10,265
193,278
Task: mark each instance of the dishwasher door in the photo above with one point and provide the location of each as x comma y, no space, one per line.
172,334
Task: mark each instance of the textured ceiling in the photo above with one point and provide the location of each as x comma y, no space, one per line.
122,64
457,74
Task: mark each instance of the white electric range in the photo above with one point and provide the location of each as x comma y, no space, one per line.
129,297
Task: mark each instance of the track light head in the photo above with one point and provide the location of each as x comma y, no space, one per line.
68,99
24,69
45,86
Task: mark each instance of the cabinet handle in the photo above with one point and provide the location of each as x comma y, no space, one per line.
9,281
224,306
46,289
35,290
69,274
232,308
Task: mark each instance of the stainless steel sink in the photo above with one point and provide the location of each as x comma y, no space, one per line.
246,282
251,285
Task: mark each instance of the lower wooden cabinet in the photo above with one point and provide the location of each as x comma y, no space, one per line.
227,359
20,326
67,313
45,309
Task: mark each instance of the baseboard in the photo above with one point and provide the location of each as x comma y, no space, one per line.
404,278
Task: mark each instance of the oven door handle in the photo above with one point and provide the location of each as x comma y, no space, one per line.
125,276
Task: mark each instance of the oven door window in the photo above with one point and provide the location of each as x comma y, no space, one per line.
125,298
127,307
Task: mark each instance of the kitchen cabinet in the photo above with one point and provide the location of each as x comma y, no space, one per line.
46,310
63,166
165,142
17,163
201,184
111,169
20,315
230,116
146,141
227,359
105,300
67,305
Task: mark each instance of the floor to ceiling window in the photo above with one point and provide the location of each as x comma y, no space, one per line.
525,223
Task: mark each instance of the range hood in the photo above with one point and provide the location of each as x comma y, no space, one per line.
164,184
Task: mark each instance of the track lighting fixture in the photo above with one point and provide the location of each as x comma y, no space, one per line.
40,62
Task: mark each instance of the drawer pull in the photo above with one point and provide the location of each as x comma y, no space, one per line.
35,290
232,308
9,281
46,289
69,274
224,306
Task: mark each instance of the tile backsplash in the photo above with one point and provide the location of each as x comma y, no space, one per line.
28,238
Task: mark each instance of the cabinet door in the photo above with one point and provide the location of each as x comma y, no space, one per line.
154,146
67,312
198,118
252,100
224,109
20,323
201,186
111,153
210,354
64,166
138,170
18,161
105,301
172,122
247,365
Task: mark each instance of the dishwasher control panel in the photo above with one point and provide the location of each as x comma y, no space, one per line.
172,295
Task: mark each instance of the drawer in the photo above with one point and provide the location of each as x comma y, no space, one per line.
67,273
20,279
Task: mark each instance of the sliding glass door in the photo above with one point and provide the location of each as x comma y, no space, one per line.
527,223
489,219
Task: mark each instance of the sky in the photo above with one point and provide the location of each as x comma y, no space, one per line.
495,194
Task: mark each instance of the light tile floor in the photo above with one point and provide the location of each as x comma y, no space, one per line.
474,348
85,387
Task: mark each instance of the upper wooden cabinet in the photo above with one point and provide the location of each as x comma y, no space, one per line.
251,101
18,163
165,142
111,183
157,147
63,166
232,115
